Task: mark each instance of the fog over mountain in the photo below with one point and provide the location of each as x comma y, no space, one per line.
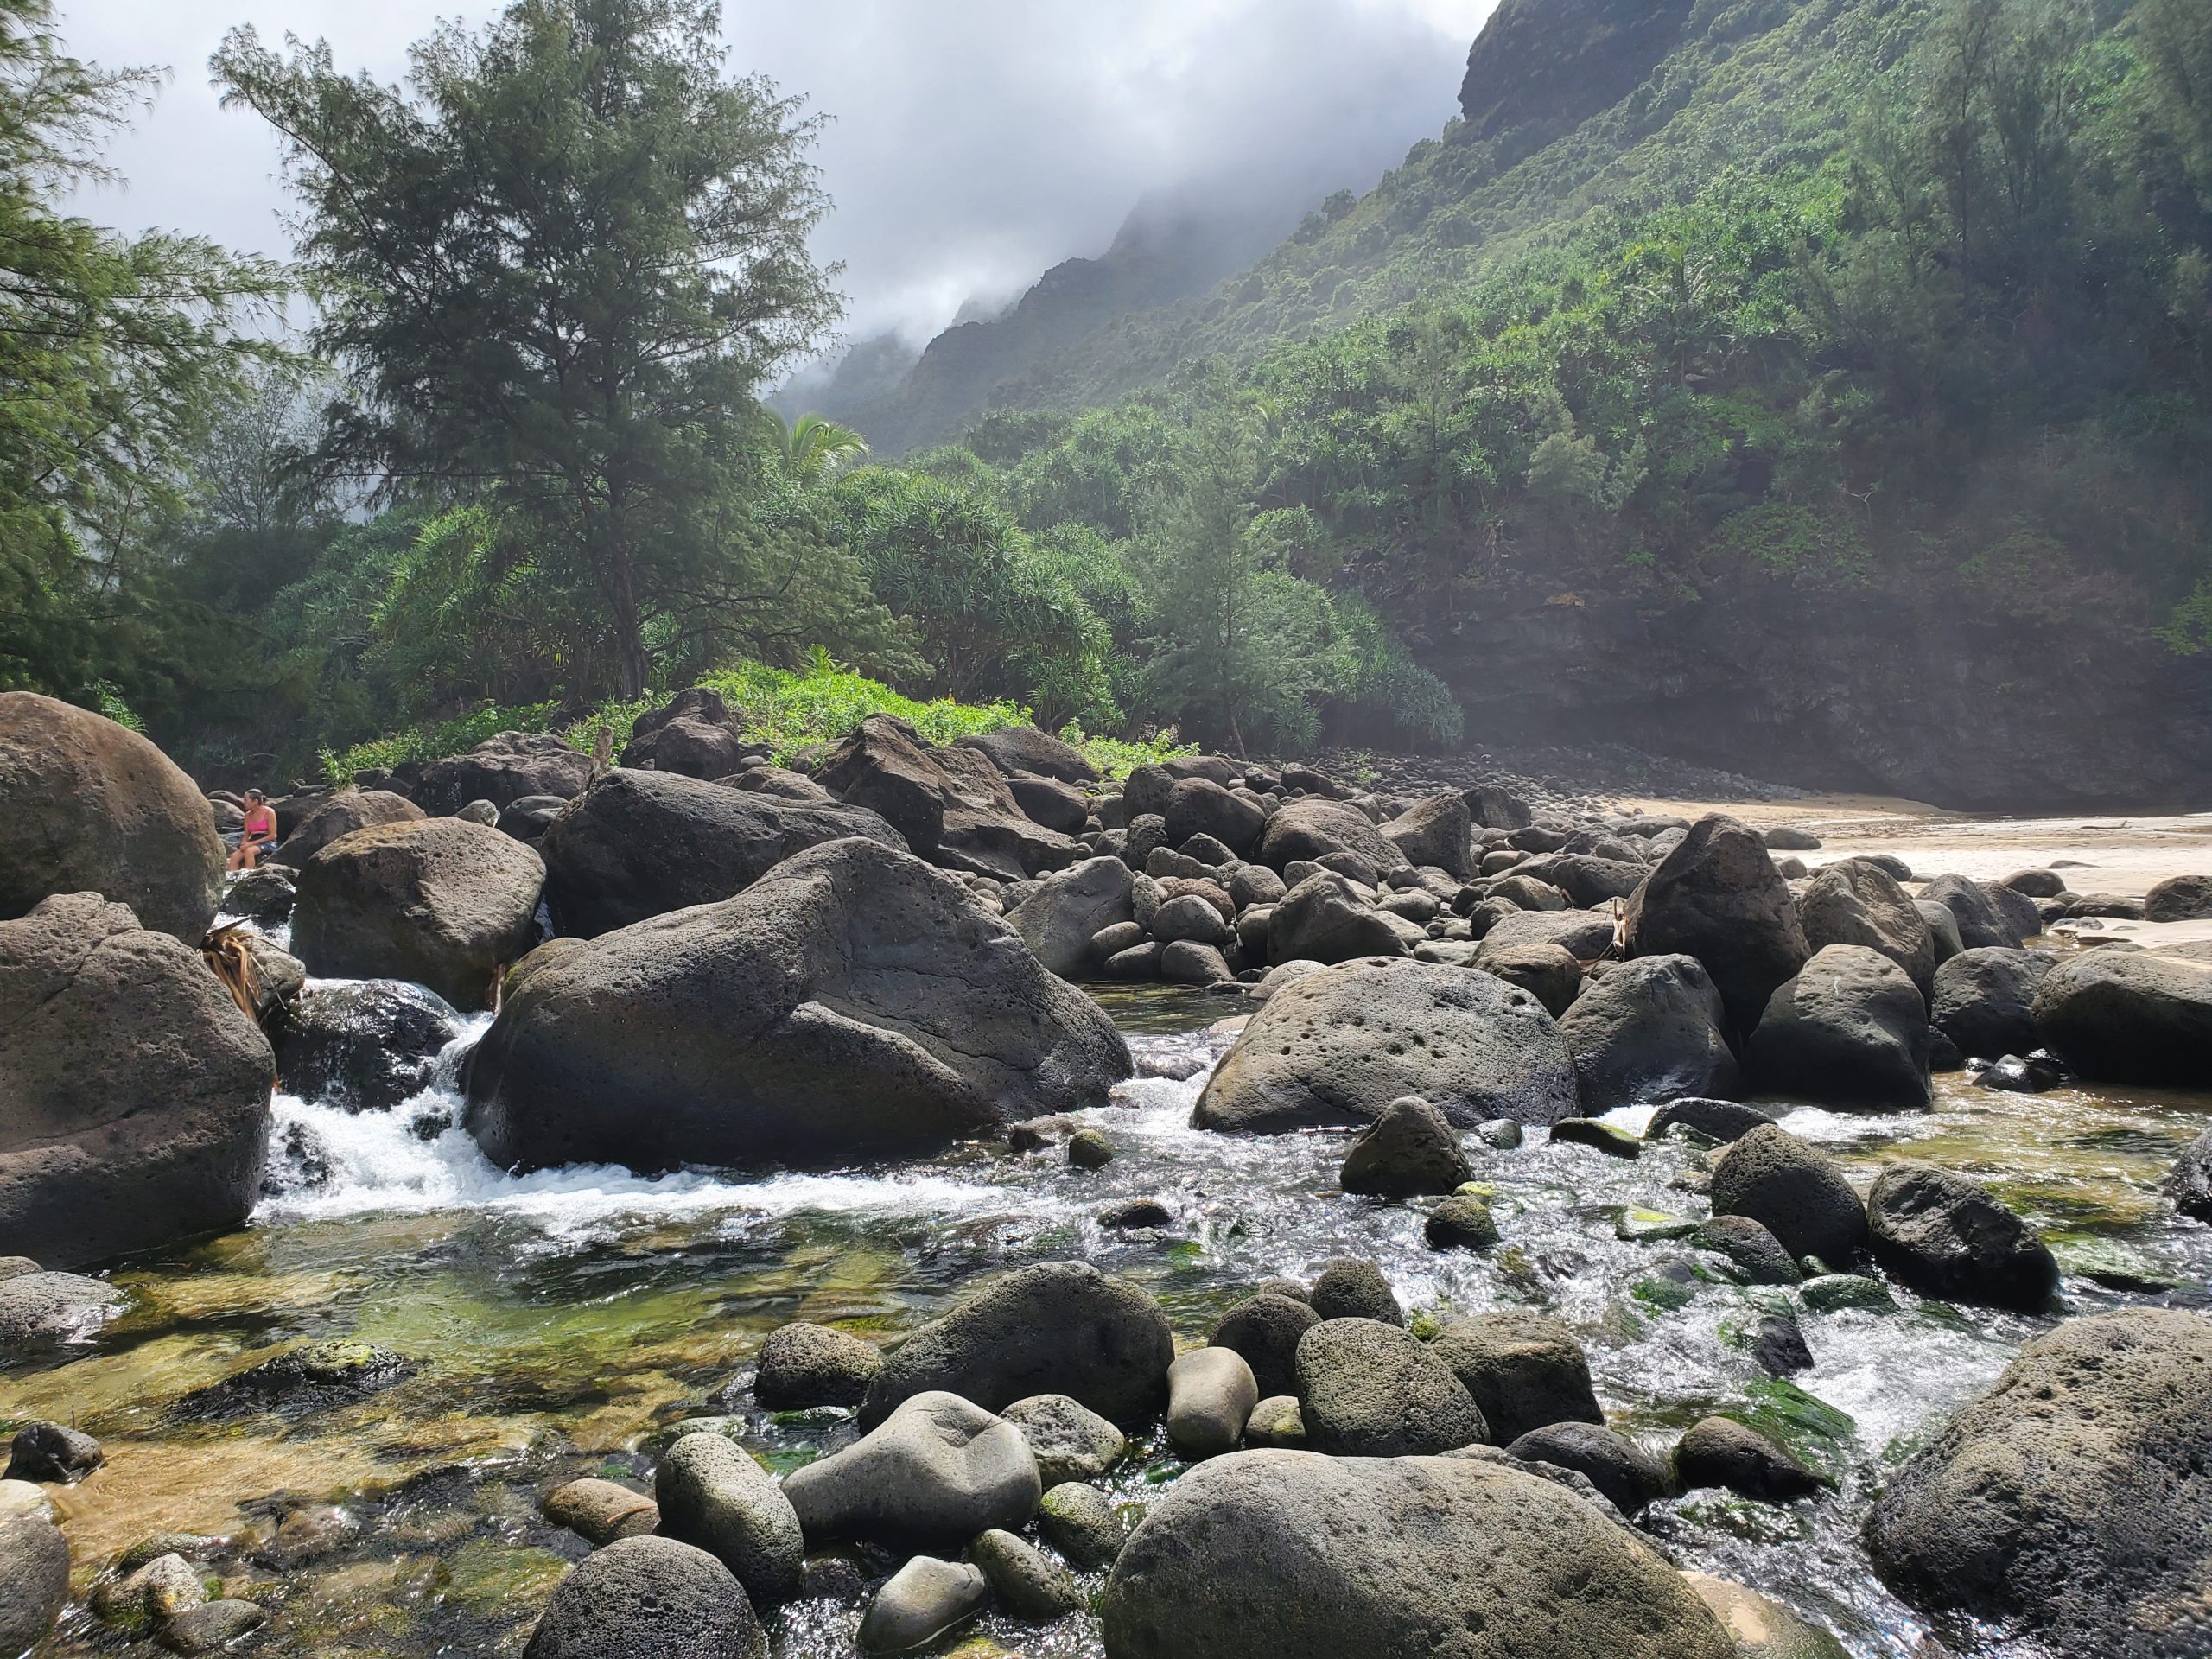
970,146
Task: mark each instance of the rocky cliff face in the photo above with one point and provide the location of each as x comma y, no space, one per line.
1559,62
1913,692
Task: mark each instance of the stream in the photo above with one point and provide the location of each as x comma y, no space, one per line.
566,1323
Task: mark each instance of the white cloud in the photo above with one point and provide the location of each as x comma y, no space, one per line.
973,142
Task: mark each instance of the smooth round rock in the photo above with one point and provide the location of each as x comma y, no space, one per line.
1275,1422
33,1580
939,1469
1211,1393
1747,1243
712,1493
1023,1583
601,1511
1720,1452
1350,1288
1522,1369
648,1598
1082,1523
920,1602
802,1366
1629,1477
1762,1629
1795,1191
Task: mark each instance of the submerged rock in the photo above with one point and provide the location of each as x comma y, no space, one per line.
40,1310
1762,1629
1333,1047
315,1378
1056,1327
1294,1555
2073,1497
854,1001
363,1047
135,1110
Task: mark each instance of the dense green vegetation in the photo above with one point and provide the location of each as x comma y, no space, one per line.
1906,294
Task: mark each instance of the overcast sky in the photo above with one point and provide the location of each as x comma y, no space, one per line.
974,142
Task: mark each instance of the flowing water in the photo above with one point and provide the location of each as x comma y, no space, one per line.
566,1323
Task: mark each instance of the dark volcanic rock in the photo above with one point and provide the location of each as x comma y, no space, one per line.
298,1385
1719,898
649,1598
1984,1000
1316,827
1057,1327
1716,1120
2130,1017
1265,1329
502,769
1523,1369
134,1095
342,815
1982,921
446,903
1332,1047
1367,1389
961,817
1944,1236
1412,1149
1322,920
362,1047
1795,1191
1855,902
1296,1555
87,806
643,844
2075,1496
1851,1028
1629,1477
853,1001
1024,748
1649,1030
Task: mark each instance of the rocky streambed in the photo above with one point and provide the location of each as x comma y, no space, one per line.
475,1339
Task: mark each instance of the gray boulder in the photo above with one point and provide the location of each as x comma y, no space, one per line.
342,815
1943,930
1754,1251
1082,1524
712,1493
1719,898
1523,1370
1795,1191
503,769
43,1310
1436,831
1412,1149
2075,1497
922,1601
1295,1555
363,1046
1211,1393
1070,907
1982,922
1984,1000
1851,1028
1367,1389
1332,1047
638,844
1854,902
1025,748
648,1598
1060,807
1720,1452
1056,1328
444,902
1024,1585
935,1472
1198,806
803,1366
134,1095
1583,934
2130,1017
1720,1121
88,806
2179,899
1649,1030
954,813
1764,1629
1070,1441
1352,1287
1324,919
1945,1236
1586,880
1265,1330
33,1580
1316,827
852,1002
1629,1477
1548,972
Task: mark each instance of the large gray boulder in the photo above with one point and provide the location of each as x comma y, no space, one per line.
1056,1327
1984,1000
2074,1497
1315,826
1856,902
712,1493
1982,921
33,1580
1324,918
1058,919
1296,1555
1946,1237
1411,1149
1367,1389
1200,806
643,844
1525,1371
503,769
2179,899
1719,898
1649,1030
935,1473
444,902
853,1001
1332,1047
1437,831
88,806
648,1598
342,815
42,1310
1630,1478
1795,1191
951,813
362,1047
1024,748
1850,1029
2130,1017
134,1095
1585,935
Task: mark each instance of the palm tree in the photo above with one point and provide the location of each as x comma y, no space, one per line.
811,446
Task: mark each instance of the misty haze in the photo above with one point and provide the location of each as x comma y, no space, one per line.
1240,829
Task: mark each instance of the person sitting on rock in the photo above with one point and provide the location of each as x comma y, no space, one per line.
259,834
